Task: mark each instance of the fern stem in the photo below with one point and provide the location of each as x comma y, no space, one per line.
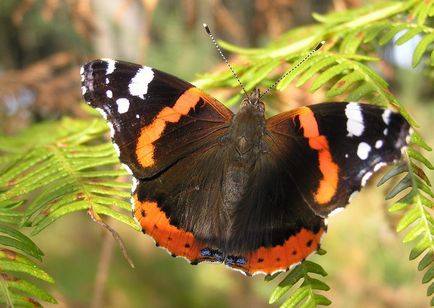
418,203
300,45
105,258
393,9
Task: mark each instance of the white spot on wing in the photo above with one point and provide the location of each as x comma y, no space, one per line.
352,196
83,90
378,144
134,186
346,155
111,65
354,115
386,116
123,105
385,132
127,169
408,138
335,211
139,84
112,129
137,116
82,70
107,81
366,177
109,93
118,151
378,166
363,150
102,112
133,209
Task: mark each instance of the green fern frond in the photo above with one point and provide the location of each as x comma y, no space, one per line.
342,73
305,294
422,10
16,290
69,173
389,30
46,172
9,213
347,31
416,207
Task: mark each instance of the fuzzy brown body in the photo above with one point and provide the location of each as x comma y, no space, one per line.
243,145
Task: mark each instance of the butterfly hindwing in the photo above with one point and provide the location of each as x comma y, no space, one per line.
269,230
155,118
273,223
333,148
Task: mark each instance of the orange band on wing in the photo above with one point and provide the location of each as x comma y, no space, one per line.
280,258
155,223
329,169
149,134
308,122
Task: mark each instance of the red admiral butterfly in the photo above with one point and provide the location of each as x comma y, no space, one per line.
239,189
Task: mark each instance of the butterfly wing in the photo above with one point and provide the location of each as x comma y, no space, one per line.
274,225
155,118
185,215
166,132
332,149
315,159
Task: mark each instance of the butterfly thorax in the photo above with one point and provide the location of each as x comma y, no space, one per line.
244,143
247,128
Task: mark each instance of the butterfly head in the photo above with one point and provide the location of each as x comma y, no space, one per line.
253,102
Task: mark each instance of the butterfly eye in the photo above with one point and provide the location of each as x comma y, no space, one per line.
245,102
260,106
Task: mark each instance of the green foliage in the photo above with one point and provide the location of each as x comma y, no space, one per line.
306,293
416,204
352,38
67,171
60,167
345,66
14,290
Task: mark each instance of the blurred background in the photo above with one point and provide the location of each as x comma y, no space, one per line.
43,43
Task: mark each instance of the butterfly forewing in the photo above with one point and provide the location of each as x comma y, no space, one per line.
332,149
155,118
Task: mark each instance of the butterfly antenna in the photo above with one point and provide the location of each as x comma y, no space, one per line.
294,67
208,31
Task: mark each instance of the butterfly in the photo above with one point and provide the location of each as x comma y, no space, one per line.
239,189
